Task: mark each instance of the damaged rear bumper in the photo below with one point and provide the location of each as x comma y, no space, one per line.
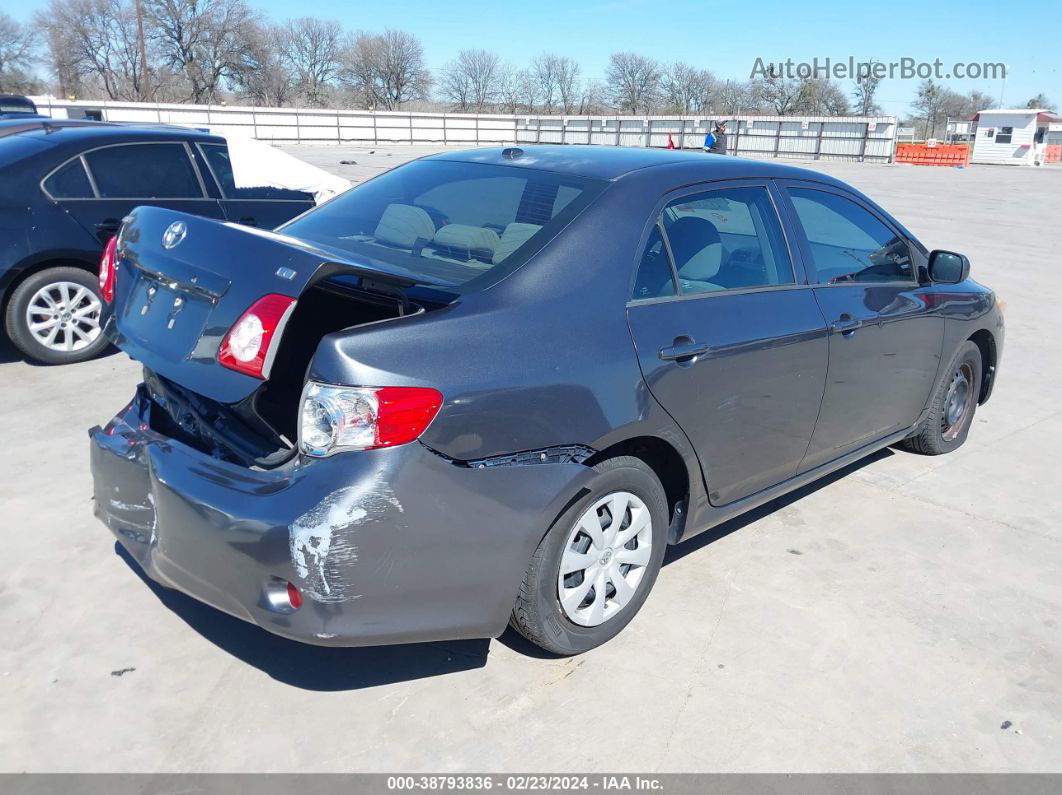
387,546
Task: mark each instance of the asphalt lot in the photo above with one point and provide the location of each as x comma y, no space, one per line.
890,618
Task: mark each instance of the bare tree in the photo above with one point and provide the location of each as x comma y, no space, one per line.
594,100
927,104
687,89
820,97
473,80
736,98
262,75
311,52
510,89
544,71
17,42
864,90
203,40
783,95
96,40
385,70
633,81
567,72
978,101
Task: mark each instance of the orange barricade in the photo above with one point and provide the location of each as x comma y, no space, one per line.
942,155
1054,153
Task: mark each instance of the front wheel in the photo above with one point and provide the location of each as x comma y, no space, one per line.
954,403
595,567
53,317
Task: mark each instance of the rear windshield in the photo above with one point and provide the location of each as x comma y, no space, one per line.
449,222
12,105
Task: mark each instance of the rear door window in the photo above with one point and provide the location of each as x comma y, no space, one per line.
217,157
144,171
727,239
448,222
847,242
69,182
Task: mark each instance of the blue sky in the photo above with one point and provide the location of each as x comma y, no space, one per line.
726,37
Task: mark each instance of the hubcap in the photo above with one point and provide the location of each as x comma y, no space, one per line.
64,316
604,559
957,402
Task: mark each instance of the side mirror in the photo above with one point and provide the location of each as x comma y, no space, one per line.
947,267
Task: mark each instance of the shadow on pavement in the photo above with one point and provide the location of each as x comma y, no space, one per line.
681,550
316,667
329,669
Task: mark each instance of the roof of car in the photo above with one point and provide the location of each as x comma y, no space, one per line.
613,162
81,131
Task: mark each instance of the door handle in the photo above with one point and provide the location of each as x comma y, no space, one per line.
845,325
249,220
683,350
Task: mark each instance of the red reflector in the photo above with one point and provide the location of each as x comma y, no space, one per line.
404,412
246,346
109,270
294,596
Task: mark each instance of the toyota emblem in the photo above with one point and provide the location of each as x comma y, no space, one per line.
174,234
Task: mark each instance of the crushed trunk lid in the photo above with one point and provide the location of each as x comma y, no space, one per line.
183,281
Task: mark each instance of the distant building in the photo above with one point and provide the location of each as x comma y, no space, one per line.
1017,137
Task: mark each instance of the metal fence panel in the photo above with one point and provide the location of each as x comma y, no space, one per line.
810,137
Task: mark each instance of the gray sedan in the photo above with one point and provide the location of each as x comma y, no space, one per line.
491,387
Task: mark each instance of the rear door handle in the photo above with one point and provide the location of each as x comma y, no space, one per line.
845,324
683,350
249,220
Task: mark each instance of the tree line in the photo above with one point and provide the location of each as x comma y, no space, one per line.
212,51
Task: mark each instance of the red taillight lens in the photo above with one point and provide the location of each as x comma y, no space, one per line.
404,412
109,270
294,596
246,346
337,418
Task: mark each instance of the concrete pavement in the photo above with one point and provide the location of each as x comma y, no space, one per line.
890,618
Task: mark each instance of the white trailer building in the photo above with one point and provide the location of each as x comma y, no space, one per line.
1015,137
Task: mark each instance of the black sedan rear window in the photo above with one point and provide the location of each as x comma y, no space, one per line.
448,221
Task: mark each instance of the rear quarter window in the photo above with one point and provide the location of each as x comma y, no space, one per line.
69,182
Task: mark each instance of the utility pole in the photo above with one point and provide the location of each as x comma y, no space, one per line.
145,73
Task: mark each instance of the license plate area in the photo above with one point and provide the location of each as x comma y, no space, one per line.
165,317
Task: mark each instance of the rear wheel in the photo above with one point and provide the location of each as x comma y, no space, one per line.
954,403
595,567
53,317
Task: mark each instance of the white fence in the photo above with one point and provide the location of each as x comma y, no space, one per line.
870,138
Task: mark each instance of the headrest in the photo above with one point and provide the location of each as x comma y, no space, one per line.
514,236
466,239
403,224
697,247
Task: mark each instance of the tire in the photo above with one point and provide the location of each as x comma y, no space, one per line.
946,426
539,614
45,290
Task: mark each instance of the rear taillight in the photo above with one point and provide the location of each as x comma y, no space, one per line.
247,346
337,418
109,270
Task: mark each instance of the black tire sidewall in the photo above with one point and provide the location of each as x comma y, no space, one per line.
15,319
969,352
560,632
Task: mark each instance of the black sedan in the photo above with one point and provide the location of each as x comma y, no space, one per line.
492,386
65,187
